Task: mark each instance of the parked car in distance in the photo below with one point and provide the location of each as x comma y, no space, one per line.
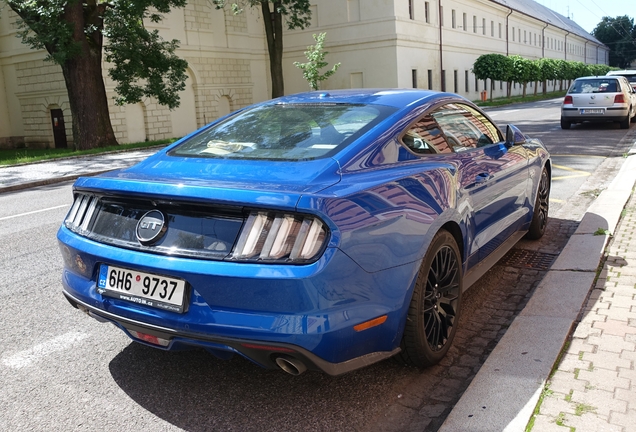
629,74
319,231
599,99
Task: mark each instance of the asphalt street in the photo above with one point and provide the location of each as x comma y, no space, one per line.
61,370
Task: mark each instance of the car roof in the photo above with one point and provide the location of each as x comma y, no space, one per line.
596,77
622,72
398,98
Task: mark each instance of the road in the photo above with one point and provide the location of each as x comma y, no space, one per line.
61,370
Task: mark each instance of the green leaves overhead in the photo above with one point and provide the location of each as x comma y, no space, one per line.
296,12
619,34
143,64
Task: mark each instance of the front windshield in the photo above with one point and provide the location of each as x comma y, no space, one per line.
284,131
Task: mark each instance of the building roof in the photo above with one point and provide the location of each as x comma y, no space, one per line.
547,15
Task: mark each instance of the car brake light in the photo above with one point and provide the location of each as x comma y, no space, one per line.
568,100
149,338
280,237
619,98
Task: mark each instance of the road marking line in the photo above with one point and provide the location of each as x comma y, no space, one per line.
571,176
38,352
33,212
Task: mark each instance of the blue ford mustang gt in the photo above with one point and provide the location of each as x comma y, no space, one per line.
322,231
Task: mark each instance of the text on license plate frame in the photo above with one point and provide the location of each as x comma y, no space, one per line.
592,111
143,288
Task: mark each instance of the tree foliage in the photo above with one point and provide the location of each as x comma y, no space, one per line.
315,61
295,13
73,34
495,67
619,34
521,70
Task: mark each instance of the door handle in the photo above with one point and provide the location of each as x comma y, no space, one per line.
480,179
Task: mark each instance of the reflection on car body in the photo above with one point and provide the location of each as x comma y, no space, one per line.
322,231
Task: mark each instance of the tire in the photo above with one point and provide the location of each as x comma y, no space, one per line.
541,208
565,124
433,313
624,124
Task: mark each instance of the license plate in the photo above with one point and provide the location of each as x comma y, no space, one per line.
592,111
142,288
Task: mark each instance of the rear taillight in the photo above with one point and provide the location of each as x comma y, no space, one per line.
619,98
278,237
567,100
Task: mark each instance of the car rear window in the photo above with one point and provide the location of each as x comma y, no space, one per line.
284,132
600,85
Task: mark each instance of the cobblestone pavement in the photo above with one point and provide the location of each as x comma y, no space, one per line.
594,386
488,309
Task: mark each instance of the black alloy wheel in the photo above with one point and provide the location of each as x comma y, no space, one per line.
434,310
541,208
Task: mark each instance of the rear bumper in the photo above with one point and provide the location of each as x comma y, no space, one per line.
611,114
262,353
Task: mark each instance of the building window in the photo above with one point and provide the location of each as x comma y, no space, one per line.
411,11
464,22
453,19
443,80
474,24
519,35
483,26
427,12
499,30
525,37
492,28
513,34
414,77
429,75
476,84
466,82
455,82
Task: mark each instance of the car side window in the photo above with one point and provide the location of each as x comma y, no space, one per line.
465,128
425,137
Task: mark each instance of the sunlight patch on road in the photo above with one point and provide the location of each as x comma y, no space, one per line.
38,352
575,173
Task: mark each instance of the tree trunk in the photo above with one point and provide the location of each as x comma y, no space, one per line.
545,87
85,86
525,86
273,21
536,87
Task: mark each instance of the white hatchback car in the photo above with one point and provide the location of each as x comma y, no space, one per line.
599,99
629,74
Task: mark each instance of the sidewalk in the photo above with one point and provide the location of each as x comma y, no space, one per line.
18,177
594,386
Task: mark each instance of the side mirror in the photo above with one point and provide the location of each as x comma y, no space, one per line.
514,136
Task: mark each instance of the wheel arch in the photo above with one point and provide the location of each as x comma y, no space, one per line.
454,229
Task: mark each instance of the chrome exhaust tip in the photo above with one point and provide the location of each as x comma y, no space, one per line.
291,365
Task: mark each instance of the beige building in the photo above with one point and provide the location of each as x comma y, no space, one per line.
379,43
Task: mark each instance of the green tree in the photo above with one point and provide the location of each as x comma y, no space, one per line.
619,34
496,67
522,71
534,74
73,34
315,61
297,16
548,71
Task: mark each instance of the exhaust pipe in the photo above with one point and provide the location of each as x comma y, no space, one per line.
291,365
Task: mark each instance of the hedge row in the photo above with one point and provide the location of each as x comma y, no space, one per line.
517,69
